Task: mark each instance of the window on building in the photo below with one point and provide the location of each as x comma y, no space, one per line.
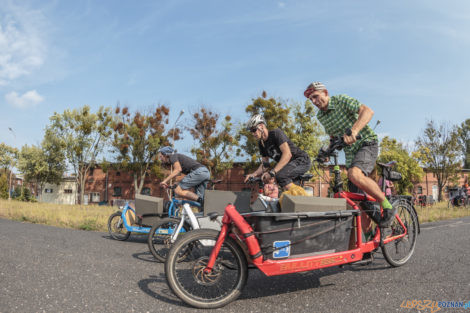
67,190
420,190
117,192
48,190
95,197
118,173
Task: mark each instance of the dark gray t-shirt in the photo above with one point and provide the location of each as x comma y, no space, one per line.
187,164
271,146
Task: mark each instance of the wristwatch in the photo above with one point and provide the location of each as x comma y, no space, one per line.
272,173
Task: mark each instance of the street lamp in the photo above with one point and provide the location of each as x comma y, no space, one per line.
11,170
174,125
173,143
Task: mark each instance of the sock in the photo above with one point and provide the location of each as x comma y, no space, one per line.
386,205
199,200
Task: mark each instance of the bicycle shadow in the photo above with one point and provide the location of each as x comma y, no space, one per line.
132,238
145,256
162,294
259,285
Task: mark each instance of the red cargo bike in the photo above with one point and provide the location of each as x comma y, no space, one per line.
208,269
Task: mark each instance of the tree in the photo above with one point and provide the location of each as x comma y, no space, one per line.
83,134
438,150
43,164
407,165
8,160
276,114
215,141
308,132
464,142
137,138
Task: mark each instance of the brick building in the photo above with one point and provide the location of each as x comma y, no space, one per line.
101,187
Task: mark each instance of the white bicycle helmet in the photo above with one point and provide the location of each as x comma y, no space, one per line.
254,121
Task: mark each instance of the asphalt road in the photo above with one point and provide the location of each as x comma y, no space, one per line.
48,269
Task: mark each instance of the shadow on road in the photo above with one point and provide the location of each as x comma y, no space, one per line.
145,256
150,287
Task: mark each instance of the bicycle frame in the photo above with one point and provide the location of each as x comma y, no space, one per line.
245,235
135,229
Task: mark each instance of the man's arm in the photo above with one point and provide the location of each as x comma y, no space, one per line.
365,115
176,171
258,171
285,157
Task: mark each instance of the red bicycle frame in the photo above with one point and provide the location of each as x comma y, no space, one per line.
300,264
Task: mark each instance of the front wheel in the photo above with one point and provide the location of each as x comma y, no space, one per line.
186,275
116,227
162,235
398,252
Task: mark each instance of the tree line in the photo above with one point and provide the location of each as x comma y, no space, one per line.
79,139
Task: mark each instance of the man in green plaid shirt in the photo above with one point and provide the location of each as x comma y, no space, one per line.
339,113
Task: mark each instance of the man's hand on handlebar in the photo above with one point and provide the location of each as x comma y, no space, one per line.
164,185
247,177
350,136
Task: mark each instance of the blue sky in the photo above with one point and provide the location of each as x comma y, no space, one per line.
407,60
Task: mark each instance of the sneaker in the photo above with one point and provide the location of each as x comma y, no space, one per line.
387,218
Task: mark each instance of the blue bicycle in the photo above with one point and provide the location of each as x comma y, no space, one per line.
122,224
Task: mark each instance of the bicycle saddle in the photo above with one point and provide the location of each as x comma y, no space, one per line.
305,177
389,164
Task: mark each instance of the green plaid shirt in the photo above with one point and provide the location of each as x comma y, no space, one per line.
341,114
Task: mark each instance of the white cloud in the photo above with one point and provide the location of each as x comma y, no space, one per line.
22,44
28,99
281,4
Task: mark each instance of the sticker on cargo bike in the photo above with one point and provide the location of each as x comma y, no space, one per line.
282,249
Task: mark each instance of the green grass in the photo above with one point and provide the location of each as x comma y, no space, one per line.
91,217
440,211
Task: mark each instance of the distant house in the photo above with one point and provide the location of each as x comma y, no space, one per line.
64,193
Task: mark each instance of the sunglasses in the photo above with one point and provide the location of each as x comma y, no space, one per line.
253,130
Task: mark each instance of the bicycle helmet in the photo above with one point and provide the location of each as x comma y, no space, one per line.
166,150
254,121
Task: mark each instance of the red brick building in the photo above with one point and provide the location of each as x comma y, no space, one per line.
116,184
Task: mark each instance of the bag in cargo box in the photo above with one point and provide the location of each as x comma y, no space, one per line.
292,235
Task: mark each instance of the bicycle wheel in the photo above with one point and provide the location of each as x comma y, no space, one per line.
116,227
186,276
399,251
160,237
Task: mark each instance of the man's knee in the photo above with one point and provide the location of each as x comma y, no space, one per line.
355,174
179,191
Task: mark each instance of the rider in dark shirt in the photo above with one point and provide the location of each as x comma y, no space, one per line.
291,161
197,175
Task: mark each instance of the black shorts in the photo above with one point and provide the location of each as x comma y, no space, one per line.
365,157
364,160
292,170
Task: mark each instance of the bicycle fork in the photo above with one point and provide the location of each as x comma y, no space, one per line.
187,213
231,215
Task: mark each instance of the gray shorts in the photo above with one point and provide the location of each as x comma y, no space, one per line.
365,157
197,179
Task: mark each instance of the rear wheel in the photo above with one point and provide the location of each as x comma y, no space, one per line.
162,235
116,228
186,276
399,251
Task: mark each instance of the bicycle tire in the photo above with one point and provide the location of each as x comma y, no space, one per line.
159,243
407,244
116,227
187,279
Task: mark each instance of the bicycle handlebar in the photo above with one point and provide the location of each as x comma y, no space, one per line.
336,143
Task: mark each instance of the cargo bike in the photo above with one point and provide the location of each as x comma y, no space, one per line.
208,269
